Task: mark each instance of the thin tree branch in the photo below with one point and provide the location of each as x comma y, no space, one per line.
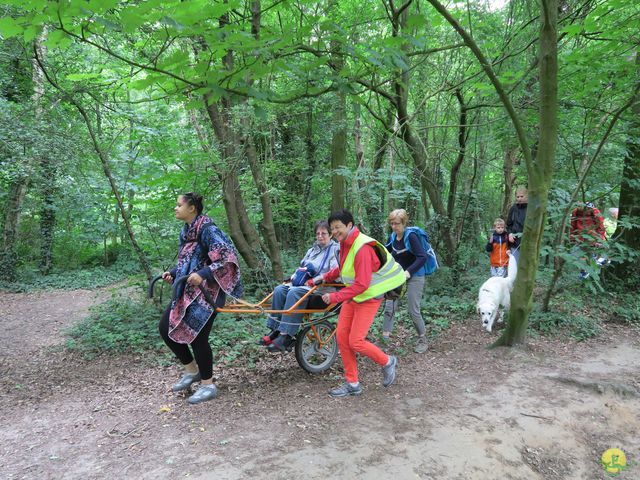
486,66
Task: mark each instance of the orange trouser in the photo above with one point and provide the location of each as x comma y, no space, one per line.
354,322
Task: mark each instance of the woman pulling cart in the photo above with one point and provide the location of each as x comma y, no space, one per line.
210,260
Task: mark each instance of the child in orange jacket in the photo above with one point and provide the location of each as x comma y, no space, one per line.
499,247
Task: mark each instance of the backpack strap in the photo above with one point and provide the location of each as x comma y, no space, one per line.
419,233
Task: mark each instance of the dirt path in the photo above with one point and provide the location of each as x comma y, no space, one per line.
457,412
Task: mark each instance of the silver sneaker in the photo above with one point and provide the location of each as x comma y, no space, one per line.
421,345
389,372
345,390
185,381
203,394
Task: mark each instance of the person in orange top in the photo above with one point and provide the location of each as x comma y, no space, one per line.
499,247
356,315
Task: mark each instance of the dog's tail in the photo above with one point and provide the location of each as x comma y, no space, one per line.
512,270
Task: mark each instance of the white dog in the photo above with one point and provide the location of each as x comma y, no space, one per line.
496,293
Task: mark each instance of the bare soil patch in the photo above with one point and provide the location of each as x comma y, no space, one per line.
459,411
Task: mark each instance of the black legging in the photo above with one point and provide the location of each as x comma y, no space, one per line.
200,344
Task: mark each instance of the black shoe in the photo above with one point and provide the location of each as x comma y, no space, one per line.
281,344
268,339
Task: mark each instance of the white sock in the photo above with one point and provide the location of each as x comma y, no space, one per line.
389,361
354,384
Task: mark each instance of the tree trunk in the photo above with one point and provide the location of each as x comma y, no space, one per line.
362,185
13,209
266,226
227,178
231,146
244,235
510,160
18,187
309,169
462,148
133,152
419,156
338,153
540,173
339,138
469,186
375,199
47,168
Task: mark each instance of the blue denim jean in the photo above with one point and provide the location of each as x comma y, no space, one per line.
284,297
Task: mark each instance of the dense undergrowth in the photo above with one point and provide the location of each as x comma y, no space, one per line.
30,279
126,325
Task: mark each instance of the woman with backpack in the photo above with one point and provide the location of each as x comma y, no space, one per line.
210,260
407,249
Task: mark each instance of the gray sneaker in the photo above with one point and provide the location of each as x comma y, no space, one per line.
185,381
345,390
389,372
421,345
203,394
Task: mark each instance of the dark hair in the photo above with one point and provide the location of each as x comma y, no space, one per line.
194,199
342,215
321,224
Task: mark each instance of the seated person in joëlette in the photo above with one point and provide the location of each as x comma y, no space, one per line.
320,258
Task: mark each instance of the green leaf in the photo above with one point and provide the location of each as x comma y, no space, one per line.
55,38
260,112
142,83
9,27
416,21
101,6
131,20
76,77
572,29
29,34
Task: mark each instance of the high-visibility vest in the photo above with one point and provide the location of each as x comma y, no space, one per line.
389,276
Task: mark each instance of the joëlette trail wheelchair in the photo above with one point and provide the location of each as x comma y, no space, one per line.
316,348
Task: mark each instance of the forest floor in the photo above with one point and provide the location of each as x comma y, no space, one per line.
459,411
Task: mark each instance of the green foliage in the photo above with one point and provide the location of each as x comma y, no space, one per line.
30,279
577,325
576,312
625,308
233,338
117,326
120,326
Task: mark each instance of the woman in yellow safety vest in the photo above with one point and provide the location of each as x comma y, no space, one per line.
369,271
